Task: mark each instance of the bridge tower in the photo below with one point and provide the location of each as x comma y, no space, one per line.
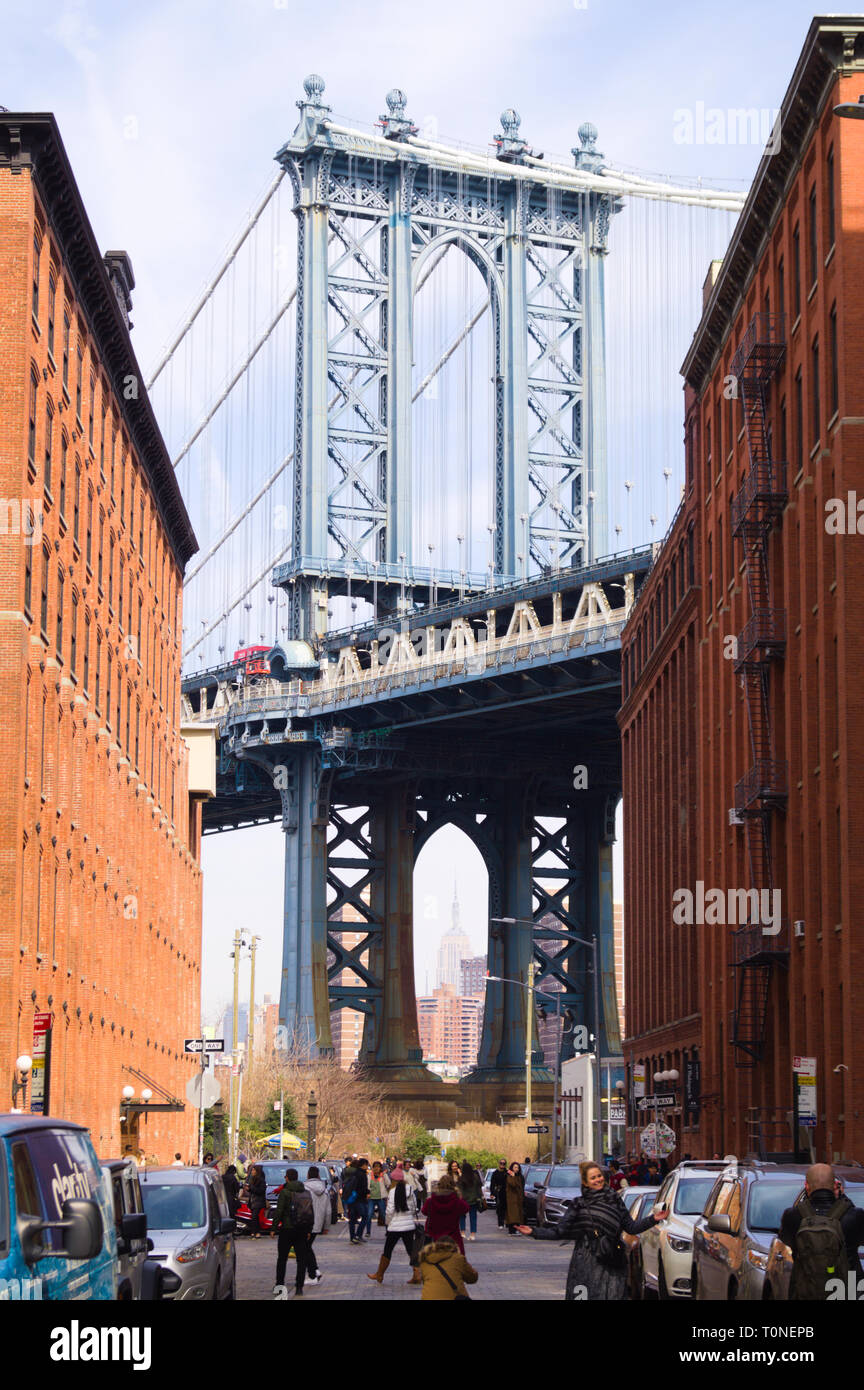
374,213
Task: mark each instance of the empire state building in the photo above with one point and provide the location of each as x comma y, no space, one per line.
455,947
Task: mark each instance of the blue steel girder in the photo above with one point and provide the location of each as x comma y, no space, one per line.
349,881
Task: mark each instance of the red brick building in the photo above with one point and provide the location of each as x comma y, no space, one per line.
100,885
743,661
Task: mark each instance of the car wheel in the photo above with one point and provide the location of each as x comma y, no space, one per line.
662,1291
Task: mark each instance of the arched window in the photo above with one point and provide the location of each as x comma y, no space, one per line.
31,424
49,440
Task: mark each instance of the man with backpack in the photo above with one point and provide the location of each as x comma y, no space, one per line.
355,1194
317,1189
293,1223
823,1231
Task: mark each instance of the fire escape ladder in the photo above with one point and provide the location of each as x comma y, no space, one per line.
761,793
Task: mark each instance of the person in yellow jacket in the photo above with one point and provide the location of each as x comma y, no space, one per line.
445,1272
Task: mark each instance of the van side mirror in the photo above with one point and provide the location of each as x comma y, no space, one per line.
133,1225
227,1226
721,1223
82,1222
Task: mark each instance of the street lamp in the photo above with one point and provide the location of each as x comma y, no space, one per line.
855,109
311,1125
23,1068
561,935
556,998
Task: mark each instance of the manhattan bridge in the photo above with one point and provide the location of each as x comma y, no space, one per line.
426,417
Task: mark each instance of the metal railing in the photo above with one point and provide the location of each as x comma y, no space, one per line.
766,483
767,780
765,632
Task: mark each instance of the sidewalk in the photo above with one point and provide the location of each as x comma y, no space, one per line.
510,1267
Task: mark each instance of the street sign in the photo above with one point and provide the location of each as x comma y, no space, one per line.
193,1045
203,1082
214,1044
658,1102
538,1129
617,1114
40,1076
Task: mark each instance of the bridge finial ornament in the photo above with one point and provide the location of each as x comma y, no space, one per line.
313,86
510,146
396,125
587,156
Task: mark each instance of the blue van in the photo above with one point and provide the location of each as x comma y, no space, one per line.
57,1235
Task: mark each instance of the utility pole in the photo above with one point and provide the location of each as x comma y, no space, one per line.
234,1117
251,1034
529,1012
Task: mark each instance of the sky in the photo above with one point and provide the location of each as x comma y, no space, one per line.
171,114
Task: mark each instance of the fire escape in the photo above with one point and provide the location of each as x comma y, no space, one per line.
762,792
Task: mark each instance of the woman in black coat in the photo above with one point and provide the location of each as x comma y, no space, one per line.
231,1183
257,1186
594,1222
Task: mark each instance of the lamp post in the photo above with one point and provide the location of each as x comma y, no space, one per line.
505,980
311,1125
855,109
23,1068
592,945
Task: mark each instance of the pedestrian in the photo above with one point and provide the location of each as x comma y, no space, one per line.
293,1221
334,1195
470,1189
653,1178
418,1177
454,1171
823,1231
256,1187
594,1222
321,1214
355,1193
379,1183
401,1221
178,1162
231,1184
617,1180
515,1197
445,1272
443,1210
498,1191
240,1162
527,1161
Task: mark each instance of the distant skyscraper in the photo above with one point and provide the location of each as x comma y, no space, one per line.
455,946
473,969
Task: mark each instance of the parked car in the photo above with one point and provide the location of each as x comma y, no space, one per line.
56,1217
191,1230
639,1205
274,1173
630,1195
535,1180
732,1238
778,1264
563,1185
138,1276
667,1248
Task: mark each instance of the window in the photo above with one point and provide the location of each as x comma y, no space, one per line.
43,609
79,358
137,731
111,573
814,368
830,198
86,653
718,431
31,428
132,510
99,558
835,377
28,577
814,236
720,556
691,430
710,573
799,420
52,299
37,253
709,473
122,486
102,439
796,270
64,449
113,453
117,726
49,438
88,550
60,582
108,688
781,292
73,636
96,691
76,503
66,348
141,522
128,720
90,409
783,444
120,594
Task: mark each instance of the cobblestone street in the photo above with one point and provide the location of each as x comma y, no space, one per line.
510,1267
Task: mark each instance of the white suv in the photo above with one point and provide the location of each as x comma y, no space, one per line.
667,1249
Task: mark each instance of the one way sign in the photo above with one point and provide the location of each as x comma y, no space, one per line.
204,1044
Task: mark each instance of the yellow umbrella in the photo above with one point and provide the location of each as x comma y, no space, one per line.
287,1140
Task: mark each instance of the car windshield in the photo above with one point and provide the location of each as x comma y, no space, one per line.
855,1195
173,1206
565,1177
535,1174
692,1195
768,1201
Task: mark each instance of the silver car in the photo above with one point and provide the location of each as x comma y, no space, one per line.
192,1232
732,1238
